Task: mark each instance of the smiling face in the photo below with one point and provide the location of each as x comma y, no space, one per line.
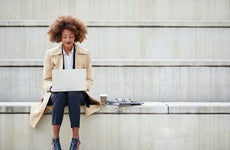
67,39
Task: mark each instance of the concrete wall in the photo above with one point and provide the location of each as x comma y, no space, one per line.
153,126
123,36
147,50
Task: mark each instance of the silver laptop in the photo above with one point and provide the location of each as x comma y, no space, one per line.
69,80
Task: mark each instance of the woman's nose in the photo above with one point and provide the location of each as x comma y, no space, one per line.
67,39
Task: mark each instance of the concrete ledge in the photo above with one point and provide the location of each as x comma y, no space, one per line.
15,107
125,63
146,108
122,23
198,108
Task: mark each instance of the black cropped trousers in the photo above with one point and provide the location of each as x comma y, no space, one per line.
73,100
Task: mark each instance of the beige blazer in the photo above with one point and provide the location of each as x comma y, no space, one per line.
54,60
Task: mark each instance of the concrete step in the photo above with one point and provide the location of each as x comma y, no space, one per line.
176,81
125,23
124,40
119,9
126,63
182,125
145,108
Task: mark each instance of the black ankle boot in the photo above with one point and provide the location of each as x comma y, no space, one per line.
75,144
56,144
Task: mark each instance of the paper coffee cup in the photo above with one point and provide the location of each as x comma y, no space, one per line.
103,98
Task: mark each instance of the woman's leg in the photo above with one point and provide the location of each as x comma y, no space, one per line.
74,100
59,101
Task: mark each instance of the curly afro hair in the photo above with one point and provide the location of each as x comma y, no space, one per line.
67,22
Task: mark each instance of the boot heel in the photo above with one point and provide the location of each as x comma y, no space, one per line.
56,144
75,144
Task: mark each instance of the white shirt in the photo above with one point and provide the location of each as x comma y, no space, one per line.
68,59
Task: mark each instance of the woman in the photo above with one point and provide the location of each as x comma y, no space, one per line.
69,55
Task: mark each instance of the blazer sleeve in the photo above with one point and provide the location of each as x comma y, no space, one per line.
47,72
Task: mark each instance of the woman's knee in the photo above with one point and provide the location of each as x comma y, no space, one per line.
58,97
75,96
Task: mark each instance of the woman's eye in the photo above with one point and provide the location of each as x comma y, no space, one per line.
64,37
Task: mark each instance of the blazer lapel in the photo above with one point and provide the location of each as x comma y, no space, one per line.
80,58
57,58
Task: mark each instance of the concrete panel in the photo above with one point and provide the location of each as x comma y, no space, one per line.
124,43
164,84
159,43
23,43
112,132
21,84
119,9
190,84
